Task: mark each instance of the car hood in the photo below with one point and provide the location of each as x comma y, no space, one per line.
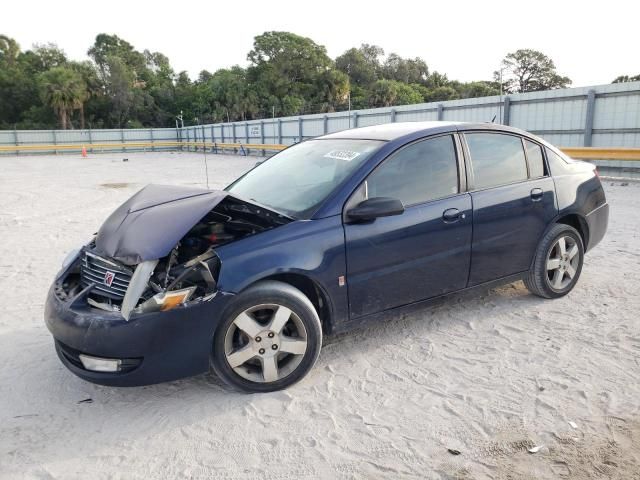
150,224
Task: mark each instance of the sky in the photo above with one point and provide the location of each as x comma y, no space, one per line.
590,42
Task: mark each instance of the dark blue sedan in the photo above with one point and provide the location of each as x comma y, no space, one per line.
324,236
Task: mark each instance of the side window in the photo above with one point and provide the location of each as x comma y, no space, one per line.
423,171
535,158
497,159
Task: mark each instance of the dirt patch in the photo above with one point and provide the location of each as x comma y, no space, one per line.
489,373
116,185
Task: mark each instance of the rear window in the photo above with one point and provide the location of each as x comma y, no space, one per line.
497,159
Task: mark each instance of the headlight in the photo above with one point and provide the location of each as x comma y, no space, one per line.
70,258
166,300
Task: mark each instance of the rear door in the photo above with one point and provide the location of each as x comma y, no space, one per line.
513,202
421,253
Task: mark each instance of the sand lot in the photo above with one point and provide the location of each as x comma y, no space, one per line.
489,374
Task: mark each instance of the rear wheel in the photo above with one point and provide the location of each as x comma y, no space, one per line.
270,338
558,263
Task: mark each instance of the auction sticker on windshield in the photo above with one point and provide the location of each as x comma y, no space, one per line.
346,155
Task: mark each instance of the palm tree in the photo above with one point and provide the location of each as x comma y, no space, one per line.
64,90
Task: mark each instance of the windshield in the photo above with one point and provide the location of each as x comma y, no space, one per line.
297,180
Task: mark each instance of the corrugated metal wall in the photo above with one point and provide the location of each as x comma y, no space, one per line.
560,116
599,116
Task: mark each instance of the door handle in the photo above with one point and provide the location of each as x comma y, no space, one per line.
452,215
536,194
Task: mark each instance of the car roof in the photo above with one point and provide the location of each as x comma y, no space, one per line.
392,131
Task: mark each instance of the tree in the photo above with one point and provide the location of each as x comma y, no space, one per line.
46,56
332,90
295,58
9,50
288,74
386,93
362,65
528,70
64,91
230,95
106,47
477,89
626,78
94,89
405,70
442,94
436,79
286,67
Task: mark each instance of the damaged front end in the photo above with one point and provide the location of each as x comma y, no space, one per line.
156,252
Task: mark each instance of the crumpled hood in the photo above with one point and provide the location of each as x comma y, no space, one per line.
150,224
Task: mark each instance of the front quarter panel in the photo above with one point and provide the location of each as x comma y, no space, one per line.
312,248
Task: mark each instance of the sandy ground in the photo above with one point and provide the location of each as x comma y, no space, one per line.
488,374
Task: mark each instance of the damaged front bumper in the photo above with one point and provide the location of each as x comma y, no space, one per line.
139,304
152,347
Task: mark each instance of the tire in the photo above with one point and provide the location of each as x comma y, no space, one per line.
556,269
270,323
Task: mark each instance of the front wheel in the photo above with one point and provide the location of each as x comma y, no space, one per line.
269,339
557,264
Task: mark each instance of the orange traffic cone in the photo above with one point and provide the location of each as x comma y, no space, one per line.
84,151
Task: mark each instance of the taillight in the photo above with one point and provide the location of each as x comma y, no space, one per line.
595,170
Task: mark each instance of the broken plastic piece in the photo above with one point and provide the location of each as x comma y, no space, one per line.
535,449
137,286
108,307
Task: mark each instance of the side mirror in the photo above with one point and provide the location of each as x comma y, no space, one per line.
375,207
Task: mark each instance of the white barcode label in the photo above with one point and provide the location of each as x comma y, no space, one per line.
345,155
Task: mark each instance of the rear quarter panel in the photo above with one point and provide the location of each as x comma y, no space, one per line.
579,191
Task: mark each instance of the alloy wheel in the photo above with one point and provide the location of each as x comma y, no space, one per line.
265,343
563,261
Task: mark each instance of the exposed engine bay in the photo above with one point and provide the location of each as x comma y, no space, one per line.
188,273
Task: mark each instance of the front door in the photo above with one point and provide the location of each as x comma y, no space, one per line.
422,253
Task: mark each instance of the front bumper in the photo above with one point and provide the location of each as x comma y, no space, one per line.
156,347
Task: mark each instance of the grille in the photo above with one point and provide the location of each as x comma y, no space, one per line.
96,270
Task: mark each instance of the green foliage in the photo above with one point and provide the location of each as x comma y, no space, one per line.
64,90
627,78
385,93
442,94
405,70
9,50
362,65
121,87
478,89
286,71
528,70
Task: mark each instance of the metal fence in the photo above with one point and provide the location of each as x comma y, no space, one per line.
100,139
598,116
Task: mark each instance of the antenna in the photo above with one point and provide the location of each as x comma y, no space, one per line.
493,120
204,150
500,101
